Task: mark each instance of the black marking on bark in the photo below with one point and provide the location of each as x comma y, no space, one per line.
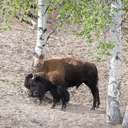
40,47
41,37
46,9
117,57
40,28
113,82
44,30
35,54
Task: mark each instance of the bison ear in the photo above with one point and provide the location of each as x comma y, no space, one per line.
27,81
29,76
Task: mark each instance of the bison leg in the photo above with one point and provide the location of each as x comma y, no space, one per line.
55,101
95,93
63,106
40,99
96,99
56,97
64,96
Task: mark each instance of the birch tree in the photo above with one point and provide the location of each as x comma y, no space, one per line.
125,119
39,52
113,99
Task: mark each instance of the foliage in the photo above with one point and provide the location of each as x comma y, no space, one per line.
92,15
104,49
5,12
125,5
18,8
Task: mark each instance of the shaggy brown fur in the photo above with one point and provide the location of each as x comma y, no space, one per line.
69,72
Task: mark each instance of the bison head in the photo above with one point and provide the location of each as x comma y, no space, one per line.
38,86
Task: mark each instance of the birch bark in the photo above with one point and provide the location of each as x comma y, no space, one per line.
113,97
39,52
125,119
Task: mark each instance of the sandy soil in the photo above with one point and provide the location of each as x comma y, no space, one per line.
17,110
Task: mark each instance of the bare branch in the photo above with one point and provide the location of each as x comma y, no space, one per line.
49,34
46,9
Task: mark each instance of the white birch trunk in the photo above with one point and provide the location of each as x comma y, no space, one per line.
113,99
125,119
41,32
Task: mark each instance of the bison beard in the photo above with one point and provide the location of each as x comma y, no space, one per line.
39,86
69,72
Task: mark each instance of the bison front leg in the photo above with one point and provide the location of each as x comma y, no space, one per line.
55,96
40,99
63,106
64,96
55,101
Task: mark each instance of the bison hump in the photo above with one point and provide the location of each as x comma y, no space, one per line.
56,77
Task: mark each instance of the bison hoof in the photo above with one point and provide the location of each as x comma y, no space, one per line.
92,108
97,106
40,102
63,107
53,106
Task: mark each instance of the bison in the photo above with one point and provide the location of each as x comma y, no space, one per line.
38,86
69,72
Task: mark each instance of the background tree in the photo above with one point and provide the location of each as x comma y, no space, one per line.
125,119
113,99
41,32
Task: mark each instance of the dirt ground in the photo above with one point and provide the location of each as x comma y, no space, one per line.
17,110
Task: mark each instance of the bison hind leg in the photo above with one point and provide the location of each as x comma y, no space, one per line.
96,102
98,98
95,93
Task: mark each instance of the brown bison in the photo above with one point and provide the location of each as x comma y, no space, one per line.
69,72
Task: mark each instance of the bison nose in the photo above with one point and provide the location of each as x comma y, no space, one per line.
35,93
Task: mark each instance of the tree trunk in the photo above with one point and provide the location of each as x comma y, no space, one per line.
113,104
125,119
41,32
